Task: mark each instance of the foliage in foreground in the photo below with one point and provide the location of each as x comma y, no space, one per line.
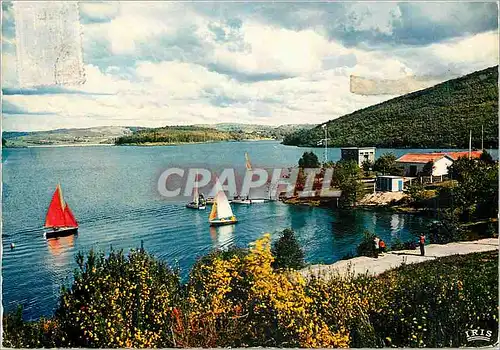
238,299
287,251
367,245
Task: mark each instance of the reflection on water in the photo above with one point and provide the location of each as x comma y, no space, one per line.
397,224
348,223
59,245
61,254
59,260
222,236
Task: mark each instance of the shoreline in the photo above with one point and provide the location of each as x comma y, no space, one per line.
62,145
393,259
148,144
153,144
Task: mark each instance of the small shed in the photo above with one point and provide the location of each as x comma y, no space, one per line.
390,183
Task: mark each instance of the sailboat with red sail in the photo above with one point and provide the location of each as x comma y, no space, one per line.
60,220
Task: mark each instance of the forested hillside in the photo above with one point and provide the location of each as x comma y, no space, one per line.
180,134
440,116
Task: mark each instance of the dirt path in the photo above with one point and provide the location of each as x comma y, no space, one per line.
387,261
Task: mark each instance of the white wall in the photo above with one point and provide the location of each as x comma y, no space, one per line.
441,166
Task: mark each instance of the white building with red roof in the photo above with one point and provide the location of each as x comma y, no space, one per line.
414,163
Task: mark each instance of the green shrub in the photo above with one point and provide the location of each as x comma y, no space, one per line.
400,245
447,229
367,246
432,304
32,334
309,160
119,301
287,252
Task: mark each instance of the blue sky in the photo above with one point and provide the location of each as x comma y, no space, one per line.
154,64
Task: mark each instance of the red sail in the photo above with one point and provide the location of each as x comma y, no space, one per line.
55,214
69,218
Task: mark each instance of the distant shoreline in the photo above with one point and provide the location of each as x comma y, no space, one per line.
152,144
62,145
145,144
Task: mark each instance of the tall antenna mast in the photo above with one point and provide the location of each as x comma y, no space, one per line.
326,143
482,137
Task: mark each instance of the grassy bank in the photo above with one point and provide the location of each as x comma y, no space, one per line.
236,298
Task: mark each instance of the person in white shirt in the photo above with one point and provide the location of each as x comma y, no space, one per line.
376,240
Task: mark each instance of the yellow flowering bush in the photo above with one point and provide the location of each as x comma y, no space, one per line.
242,301
235,298
119,301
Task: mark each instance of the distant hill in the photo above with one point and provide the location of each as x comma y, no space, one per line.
207,133
269,131
84,136
179,134
439,116
139,135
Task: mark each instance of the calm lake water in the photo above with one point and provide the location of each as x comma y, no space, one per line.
112,191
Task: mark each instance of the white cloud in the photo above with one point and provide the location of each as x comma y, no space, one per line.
480,48
9,70
99,11
136,86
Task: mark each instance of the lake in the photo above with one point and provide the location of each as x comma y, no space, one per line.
113,194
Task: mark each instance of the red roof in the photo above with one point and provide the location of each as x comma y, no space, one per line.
432,157
473,154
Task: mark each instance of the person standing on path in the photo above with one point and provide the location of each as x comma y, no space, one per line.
381,245
422,243
376,241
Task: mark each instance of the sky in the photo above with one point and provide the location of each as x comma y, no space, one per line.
155,64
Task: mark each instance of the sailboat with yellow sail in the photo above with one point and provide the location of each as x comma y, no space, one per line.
221,213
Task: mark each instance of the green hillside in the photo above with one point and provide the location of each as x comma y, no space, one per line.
178,134
207,133
439,116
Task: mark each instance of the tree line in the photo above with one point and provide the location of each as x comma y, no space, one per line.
180,134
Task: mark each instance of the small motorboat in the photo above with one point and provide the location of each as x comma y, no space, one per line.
221,213
60,220
238,200
198,201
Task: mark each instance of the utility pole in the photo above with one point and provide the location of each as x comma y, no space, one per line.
470,143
